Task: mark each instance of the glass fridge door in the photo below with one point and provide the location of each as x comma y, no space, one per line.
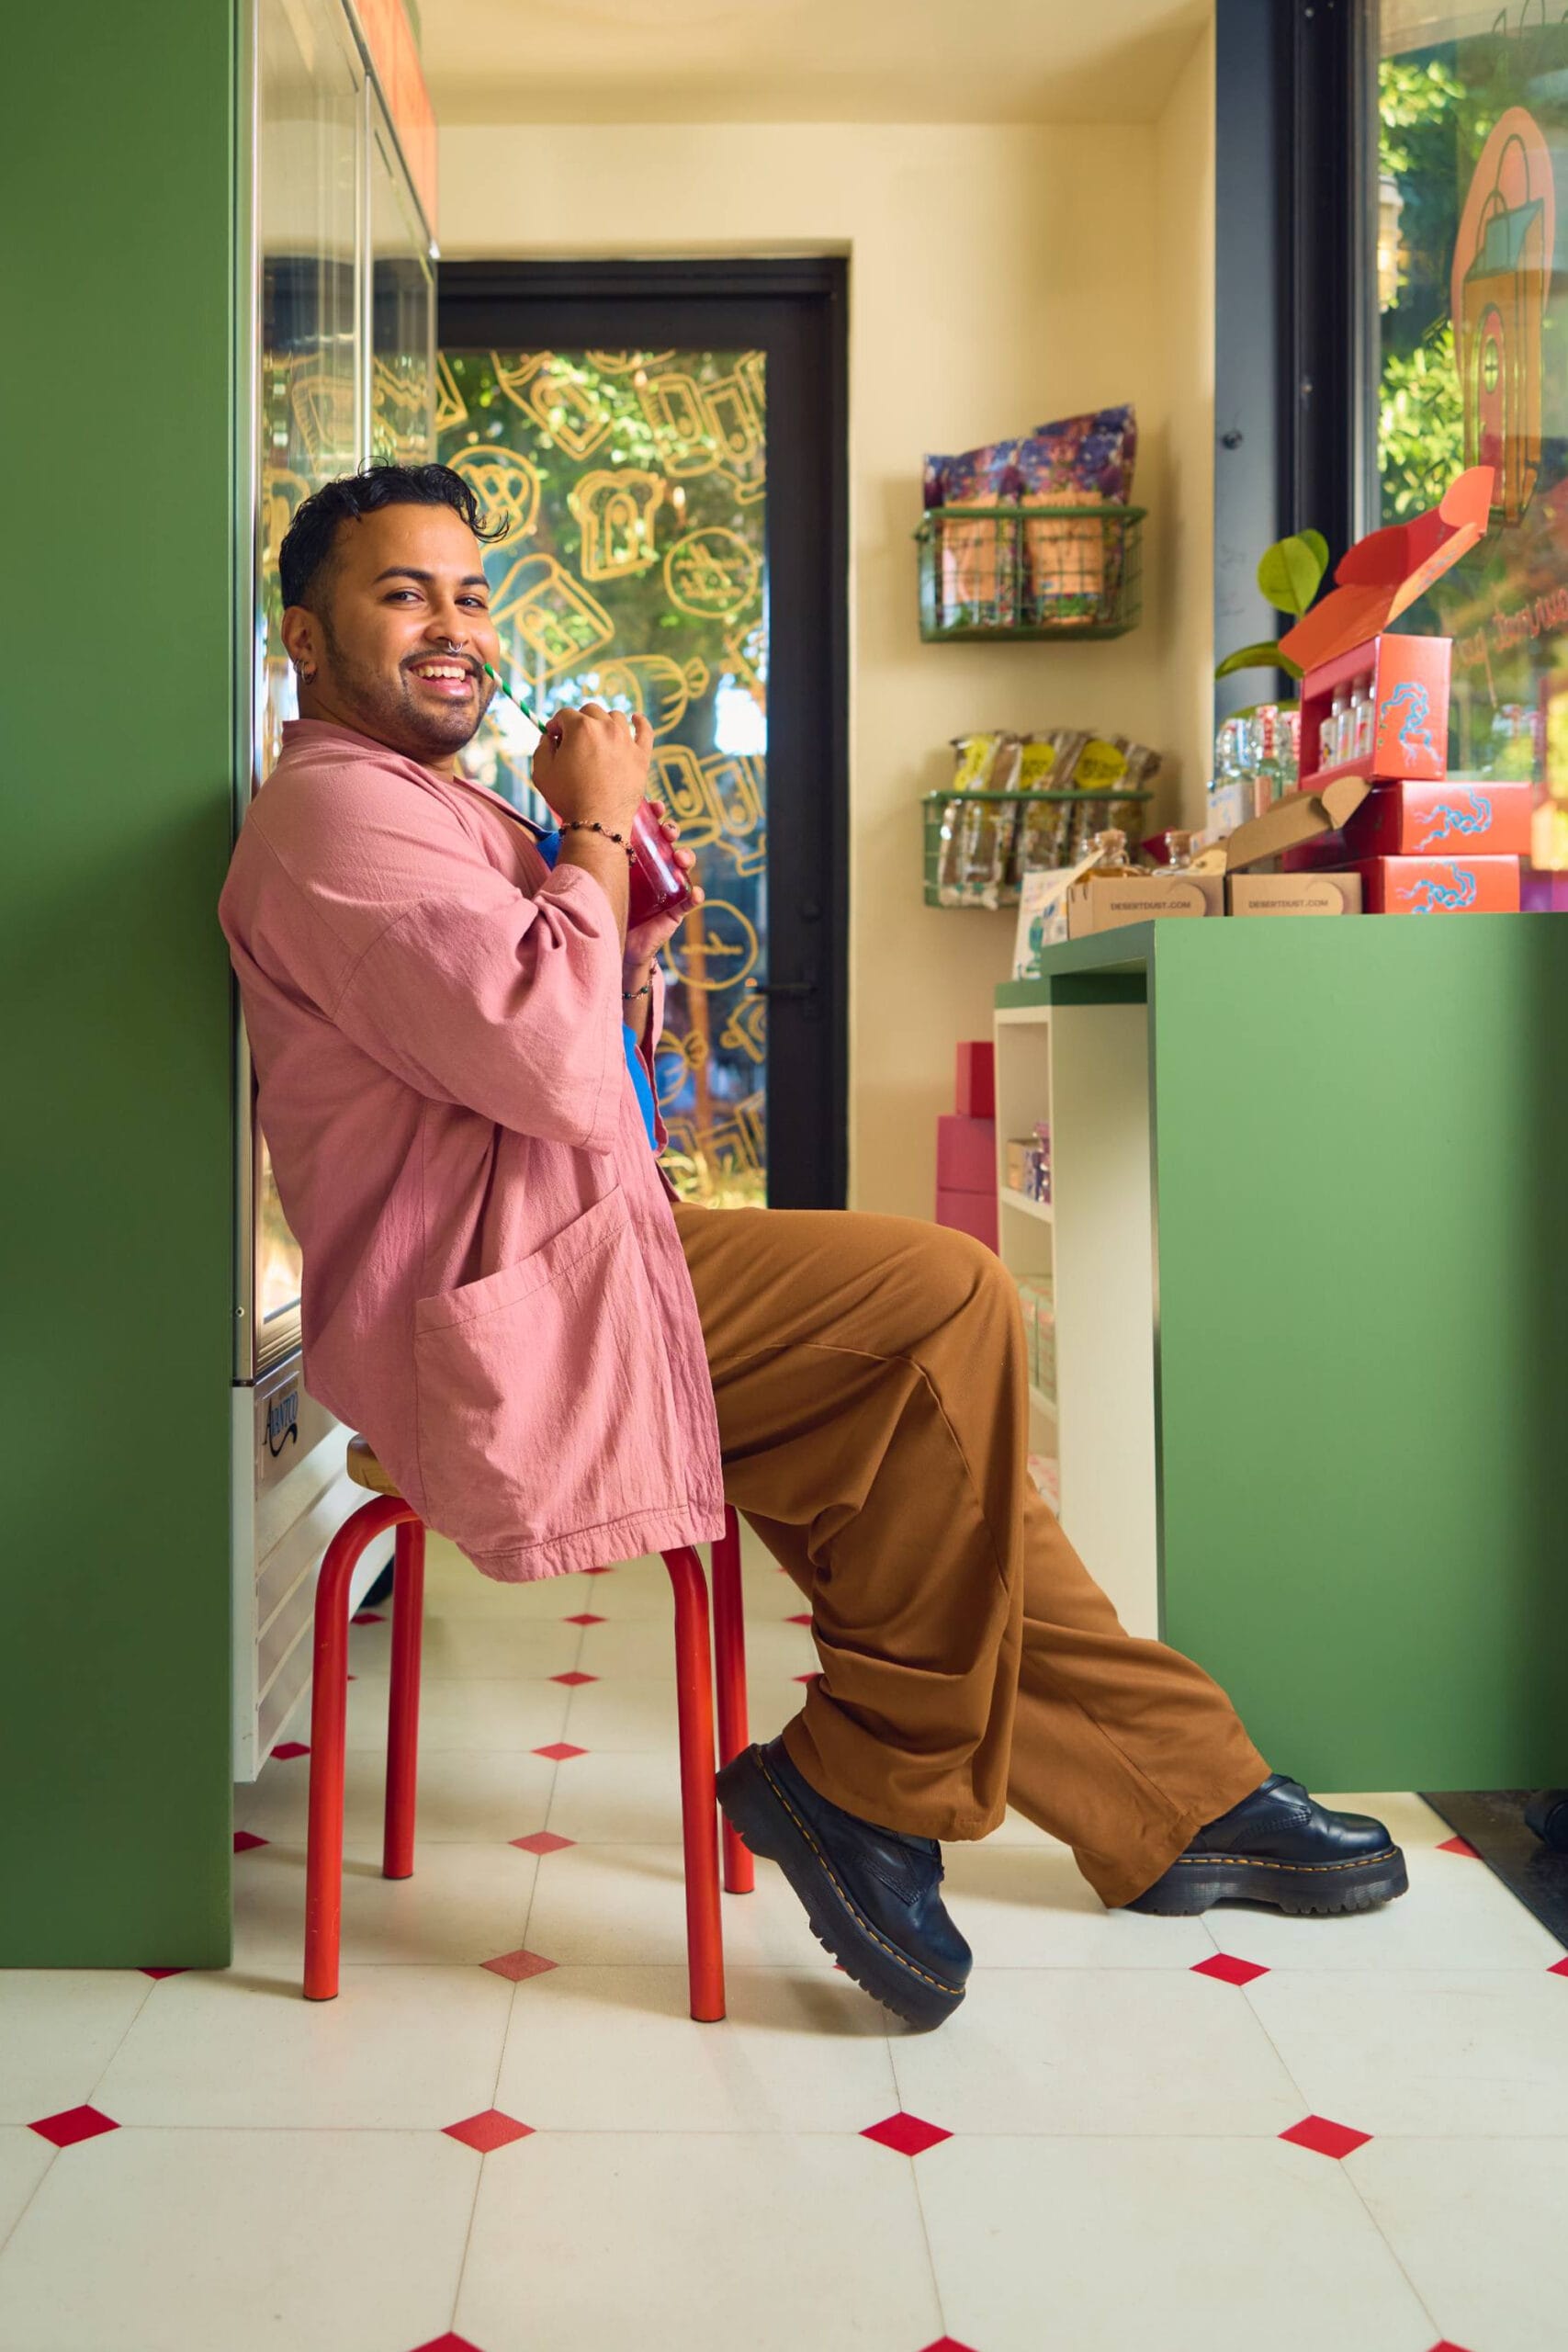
403,311
309,179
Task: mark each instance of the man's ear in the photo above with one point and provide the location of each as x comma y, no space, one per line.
302,641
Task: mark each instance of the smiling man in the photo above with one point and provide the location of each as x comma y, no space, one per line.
562,1365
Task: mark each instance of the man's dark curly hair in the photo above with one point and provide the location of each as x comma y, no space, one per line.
306,547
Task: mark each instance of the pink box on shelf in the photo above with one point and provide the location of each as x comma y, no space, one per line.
965,1154
974,1089
973,1212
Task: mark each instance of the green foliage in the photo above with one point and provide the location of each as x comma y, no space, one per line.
1263,655
1420,424
1290,573
1413,97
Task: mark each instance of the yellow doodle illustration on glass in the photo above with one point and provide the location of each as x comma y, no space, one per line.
504,482
712,574
399,410
658,688
556,618
637,481
617,511
746,1031
323,412
451,408
716,950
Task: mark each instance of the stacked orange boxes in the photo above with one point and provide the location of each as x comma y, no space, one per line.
1423,841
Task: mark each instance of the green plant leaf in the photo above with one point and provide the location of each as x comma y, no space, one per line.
1289,573
1319,546
1266,656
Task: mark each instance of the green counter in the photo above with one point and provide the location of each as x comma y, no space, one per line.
1356,1169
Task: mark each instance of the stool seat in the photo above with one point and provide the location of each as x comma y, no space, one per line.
365,1469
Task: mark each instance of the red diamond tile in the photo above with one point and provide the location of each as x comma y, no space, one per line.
367,1617
799,1621
947,2343
1228,1971
584,1617
815,1676
601,1572
543,1841
1324,2138
518,1964
1459,1846
245,1839
559,1749
287,1749
574,1678
1558,1968
447,2343
1445,2346
157,1972
73,2123
906,2134
489,2129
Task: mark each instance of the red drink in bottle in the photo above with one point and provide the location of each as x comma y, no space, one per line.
658,886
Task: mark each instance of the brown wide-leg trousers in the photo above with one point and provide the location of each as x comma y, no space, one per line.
872,1393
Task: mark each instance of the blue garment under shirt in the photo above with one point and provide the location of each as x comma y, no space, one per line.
548,846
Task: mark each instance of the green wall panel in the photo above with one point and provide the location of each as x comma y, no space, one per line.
119,140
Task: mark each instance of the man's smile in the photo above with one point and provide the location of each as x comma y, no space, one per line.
446,675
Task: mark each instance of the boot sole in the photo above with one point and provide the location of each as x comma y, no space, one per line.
1321,1889
771,1826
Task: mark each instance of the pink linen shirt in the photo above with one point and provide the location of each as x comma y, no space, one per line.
494,1291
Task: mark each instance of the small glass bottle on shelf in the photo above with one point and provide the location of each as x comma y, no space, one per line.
1334,730
1178,852
1110,852
1363,720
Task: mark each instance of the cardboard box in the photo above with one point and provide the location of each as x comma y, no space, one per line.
1409,685
975,1086
1440,886
1462,817
974,1212
1295,894
1383,575
1110,901
965,1154
1300,817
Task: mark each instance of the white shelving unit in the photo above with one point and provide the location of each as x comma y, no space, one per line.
1085,1069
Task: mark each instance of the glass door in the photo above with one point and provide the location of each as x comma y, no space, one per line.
403,311
1472,126
656,462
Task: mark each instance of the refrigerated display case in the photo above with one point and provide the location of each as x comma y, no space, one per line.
337,304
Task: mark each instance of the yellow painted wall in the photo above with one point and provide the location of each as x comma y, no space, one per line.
998,277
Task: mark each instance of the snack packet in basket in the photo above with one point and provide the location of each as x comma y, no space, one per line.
977,758
977,580
1072,570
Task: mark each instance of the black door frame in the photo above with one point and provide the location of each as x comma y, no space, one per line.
1296,301
797,312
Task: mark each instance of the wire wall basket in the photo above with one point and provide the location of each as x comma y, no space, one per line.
1030,572
978,846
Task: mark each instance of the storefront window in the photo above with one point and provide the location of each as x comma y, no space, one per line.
1473,339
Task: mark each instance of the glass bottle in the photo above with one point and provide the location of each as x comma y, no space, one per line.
1334,730
1110,852
1178,852
1361,720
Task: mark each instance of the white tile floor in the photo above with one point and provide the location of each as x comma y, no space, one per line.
1102,2166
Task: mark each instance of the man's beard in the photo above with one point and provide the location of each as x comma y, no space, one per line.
389,713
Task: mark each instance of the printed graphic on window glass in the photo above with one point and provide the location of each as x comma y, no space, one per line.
1473,363
634,573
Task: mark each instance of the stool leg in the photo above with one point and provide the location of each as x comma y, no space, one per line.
729,1674
329,1710
699,1805
403,1703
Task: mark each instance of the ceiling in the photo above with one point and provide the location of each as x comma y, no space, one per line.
805,61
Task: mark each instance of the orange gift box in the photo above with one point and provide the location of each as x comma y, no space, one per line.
1439,885
1465,817
1409,682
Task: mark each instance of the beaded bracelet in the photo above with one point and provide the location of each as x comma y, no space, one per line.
592,825
630,995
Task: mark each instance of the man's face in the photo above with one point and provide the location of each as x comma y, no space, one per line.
403,629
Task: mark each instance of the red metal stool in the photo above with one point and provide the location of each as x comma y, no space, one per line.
695,1664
